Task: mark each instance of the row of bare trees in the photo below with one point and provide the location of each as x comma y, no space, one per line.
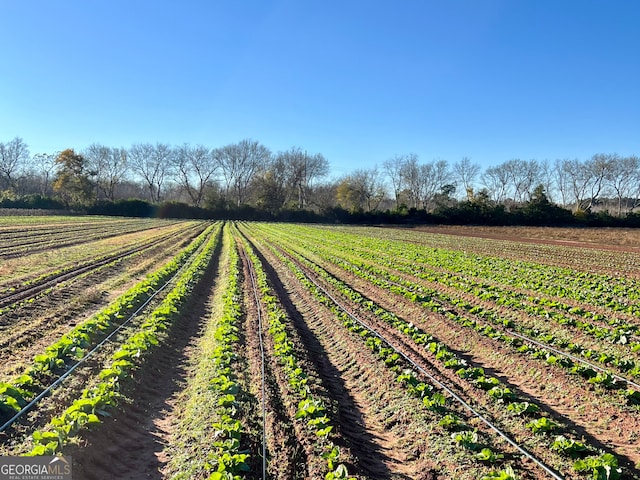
247,172
608,179
238,173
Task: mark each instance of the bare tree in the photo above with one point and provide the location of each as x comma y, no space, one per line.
14,156
523,177
433,177
108,166
44,167
635,189
410,174
302,170
393,169
561,169
194,169
587,179
624,178
546,175
577,179
496,181
152,163
239,163
597,169
466,173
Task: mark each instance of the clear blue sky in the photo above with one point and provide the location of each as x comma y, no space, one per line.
358,81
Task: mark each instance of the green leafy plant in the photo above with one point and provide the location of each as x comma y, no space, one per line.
467,439
542,425
523,408
506,474
437,401
501,394
603,467
487,455
452,422
487,383
85,410
604,379
569,447
12,399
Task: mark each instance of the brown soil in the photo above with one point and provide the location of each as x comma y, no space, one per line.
130,444
382,429
615,239
286,456
574,402
29,329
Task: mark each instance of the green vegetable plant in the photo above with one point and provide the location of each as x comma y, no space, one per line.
487,455
310,409
569,447
85,410
74,344
602,467
467,439
542,425
506,474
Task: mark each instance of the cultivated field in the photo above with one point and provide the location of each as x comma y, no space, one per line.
168,349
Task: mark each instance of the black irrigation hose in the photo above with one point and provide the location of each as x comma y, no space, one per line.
34,290
544,345
547,469
262,355
46,391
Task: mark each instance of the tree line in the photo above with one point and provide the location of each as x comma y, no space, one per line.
247,174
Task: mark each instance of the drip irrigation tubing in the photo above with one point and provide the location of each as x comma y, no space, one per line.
252,277
542,345
442,386
34,290
71,369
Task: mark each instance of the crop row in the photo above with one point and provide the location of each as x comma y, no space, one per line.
23,244
506,330
433,399
617,263
36,267
615,293
73,345
541,425
95,400
214,403
311,409
439,301
100,267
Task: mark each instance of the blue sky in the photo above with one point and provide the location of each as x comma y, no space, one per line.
356,81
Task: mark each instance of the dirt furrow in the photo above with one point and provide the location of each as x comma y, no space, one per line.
564,396
130,444
382,428
287,452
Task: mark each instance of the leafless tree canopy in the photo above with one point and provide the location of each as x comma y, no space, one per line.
240,162
194,169
248,173
108,167
465,173
13,157
153,164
